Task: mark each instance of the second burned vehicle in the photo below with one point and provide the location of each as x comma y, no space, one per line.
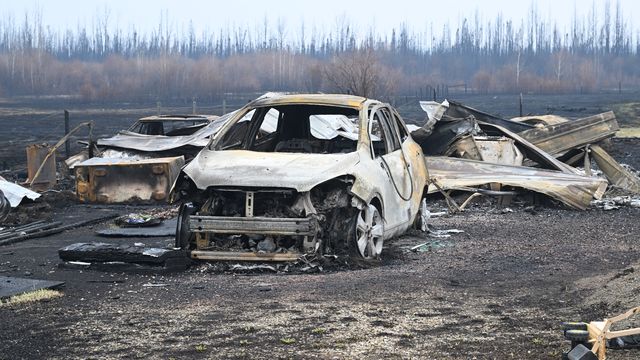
295,174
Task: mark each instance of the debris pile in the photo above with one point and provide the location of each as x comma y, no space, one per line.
469,150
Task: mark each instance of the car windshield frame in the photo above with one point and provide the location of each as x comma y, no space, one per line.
241,115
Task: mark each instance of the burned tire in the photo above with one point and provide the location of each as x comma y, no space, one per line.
368,233
567,325
183,235
577,335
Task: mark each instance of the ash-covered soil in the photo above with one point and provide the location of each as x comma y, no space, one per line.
499,290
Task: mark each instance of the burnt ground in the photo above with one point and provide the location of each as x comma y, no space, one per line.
499,290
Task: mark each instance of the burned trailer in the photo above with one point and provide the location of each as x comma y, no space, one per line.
301,174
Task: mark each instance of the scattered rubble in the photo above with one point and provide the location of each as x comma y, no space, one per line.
32,231
613,203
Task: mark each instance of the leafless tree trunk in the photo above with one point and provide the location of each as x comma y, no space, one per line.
357,73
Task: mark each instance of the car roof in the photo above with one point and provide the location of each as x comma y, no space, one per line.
272,99
179,118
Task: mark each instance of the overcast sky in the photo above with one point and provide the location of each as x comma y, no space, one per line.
380,15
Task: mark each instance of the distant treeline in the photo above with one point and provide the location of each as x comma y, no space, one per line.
499,55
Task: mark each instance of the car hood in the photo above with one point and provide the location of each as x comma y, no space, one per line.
267,169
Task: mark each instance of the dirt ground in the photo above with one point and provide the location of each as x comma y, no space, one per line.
499,290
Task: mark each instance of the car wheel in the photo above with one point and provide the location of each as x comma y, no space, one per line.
369,232
183,235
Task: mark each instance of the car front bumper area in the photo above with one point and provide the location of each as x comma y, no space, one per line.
202,226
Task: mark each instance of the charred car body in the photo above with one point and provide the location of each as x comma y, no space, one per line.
295,174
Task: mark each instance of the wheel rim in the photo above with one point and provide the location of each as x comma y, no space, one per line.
369,233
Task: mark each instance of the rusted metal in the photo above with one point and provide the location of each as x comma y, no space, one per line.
244,256
41,169
106,180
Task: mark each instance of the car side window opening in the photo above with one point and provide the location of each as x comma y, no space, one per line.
383,138
402,130
392,132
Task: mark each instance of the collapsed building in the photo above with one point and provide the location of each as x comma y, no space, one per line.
469,150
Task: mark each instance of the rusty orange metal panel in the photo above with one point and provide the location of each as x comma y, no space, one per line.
108,180
36,153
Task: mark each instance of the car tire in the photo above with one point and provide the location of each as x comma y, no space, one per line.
183,235
568,325
577,335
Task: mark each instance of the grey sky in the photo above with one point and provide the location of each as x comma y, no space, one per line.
323,15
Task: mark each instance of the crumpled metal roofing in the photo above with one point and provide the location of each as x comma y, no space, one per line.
15,193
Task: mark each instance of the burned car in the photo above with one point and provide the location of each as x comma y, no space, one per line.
289,175
171,125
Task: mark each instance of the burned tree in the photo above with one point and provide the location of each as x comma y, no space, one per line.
357,73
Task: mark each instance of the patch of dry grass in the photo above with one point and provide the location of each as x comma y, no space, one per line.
33,296
628,133
628,114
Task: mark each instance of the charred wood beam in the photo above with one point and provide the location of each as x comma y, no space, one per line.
56,230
